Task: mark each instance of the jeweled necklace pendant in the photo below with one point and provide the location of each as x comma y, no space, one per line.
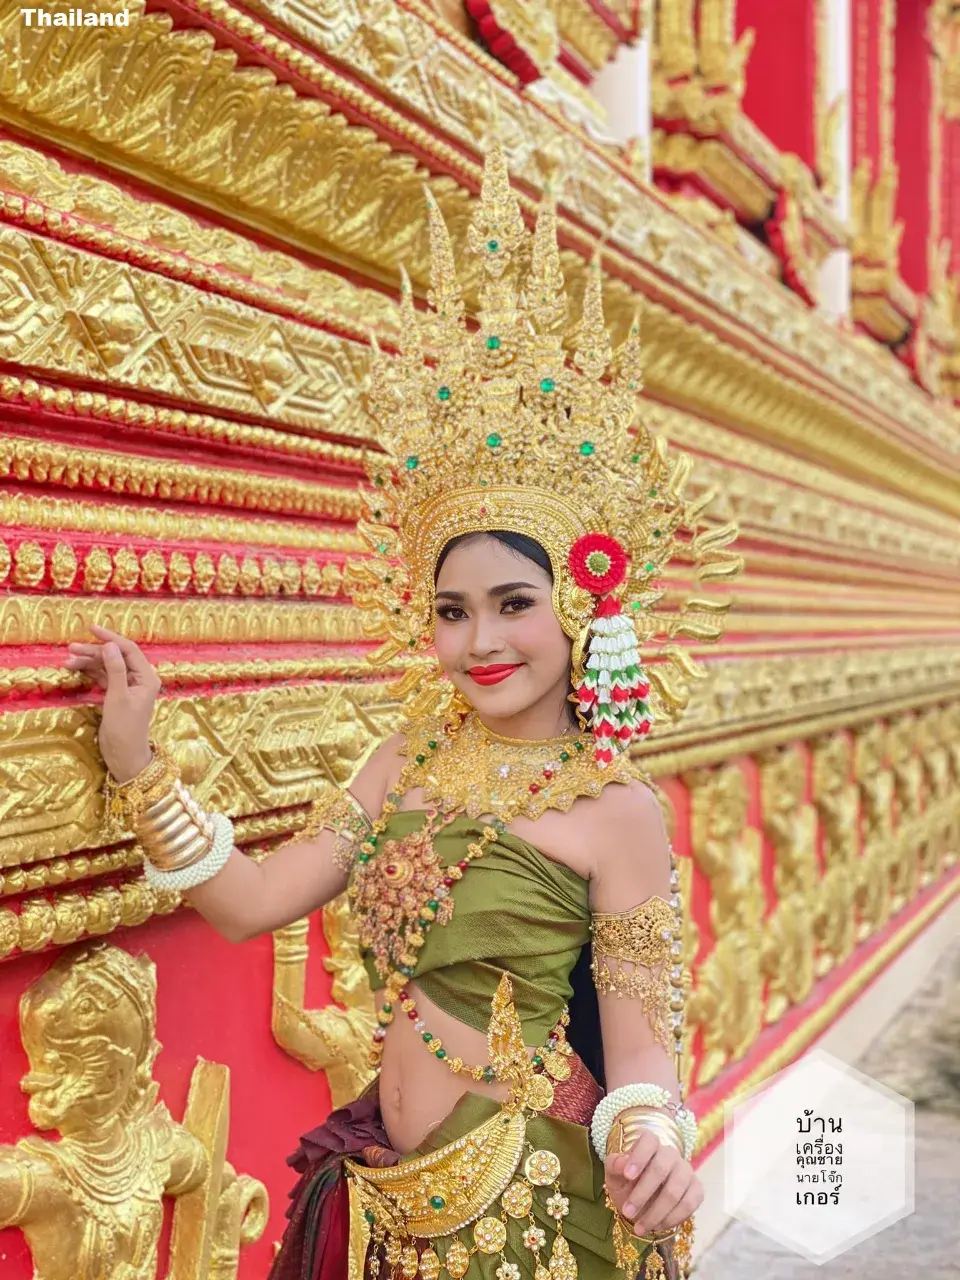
479,772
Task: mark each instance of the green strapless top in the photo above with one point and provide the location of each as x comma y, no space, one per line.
515,912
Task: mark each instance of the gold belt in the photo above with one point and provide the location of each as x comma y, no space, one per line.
437,1194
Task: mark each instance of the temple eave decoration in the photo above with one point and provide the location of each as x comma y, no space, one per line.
204,212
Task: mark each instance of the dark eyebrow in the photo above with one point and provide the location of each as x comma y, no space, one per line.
504,589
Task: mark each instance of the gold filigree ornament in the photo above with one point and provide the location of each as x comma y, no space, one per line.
475,1182
494,426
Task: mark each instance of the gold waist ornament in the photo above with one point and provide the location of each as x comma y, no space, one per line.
456,1187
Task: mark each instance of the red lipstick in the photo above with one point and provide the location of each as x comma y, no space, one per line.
493,674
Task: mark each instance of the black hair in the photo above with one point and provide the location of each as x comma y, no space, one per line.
517,542
584,1030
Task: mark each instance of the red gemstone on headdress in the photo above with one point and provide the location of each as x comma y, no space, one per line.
534,788
548,773
412,1015
448,881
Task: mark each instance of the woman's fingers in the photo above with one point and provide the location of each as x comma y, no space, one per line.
651,1178
661,1208
137,664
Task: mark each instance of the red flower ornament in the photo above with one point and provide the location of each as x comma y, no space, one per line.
598,563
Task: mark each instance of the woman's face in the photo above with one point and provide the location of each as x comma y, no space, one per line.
496,634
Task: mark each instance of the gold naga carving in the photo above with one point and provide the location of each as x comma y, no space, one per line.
91,1204
699,64
791,826
726,1003
876,786
837,799
939,848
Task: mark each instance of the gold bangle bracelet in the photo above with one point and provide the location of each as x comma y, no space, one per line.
625,1133
176,833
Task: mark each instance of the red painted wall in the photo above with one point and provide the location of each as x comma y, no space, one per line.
781,72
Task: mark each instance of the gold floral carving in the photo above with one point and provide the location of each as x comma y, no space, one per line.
335,1038
91,1204
791,826
69,311
726,1003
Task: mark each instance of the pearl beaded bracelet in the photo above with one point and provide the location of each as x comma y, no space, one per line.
198,872
639,1095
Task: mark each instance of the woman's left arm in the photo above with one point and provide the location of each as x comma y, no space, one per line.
648,1180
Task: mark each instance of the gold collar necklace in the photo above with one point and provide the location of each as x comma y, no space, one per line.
476,771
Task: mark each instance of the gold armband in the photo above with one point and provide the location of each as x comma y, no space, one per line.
639,939
340,812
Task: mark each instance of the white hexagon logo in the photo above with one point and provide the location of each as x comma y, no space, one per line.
819,1157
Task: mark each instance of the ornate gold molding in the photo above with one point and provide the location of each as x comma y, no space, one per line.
91,1204
601,194
37,193
62,514
69,311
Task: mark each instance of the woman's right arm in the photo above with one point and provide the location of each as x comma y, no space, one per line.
244,898
248,898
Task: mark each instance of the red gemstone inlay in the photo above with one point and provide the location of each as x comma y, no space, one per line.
391,868
412,1015
463,864
534,789
448,881
548,773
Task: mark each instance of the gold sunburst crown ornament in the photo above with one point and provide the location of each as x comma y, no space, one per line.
493,426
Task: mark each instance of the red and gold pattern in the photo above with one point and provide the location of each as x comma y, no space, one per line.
184,338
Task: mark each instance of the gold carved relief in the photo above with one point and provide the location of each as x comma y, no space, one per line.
911,816
726,1003
838,804
72,312
791,826
91,1204
878,850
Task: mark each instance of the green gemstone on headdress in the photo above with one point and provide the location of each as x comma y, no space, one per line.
413,462
649,567
494,441
493,344
658,533
653,492
437,1202
587,448
493,245
443,393
381,547
547,385
635,604
635,458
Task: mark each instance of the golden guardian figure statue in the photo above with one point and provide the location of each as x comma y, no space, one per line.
515,894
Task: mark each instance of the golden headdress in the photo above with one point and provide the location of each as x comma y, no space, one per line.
492,426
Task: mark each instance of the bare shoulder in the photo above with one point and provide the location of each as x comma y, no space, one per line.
631,850
378,774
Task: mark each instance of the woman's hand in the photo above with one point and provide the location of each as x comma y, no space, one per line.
130,687
652,1185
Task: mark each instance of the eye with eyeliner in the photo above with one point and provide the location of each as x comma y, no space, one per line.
524,602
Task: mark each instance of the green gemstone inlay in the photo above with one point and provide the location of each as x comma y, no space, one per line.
437,1202
587,448
649,567
420,759
443,393
547,385
413,462
493,245
494,440
493,344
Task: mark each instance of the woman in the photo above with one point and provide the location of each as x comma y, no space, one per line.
487,845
